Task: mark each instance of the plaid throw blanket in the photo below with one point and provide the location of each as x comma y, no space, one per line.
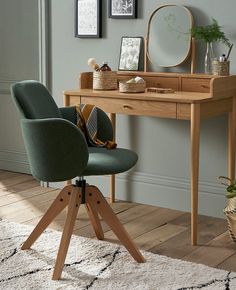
87,122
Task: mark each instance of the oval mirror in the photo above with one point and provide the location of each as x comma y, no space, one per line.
168,36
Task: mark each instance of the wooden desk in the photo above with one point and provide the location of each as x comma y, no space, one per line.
196,97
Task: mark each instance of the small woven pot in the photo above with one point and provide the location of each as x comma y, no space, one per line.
125,87
220,68
230,212
105,80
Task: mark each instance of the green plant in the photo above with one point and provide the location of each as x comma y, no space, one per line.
210,33
230,186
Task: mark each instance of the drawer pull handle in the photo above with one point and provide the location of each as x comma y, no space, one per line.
205,87
127,107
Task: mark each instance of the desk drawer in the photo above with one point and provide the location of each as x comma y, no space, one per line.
196,85
133,107
163,82
73,101
157,82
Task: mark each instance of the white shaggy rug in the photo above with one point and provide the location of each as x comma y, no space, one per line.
93,264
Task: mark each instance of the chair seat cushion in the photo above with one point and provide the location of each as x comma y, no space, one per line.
103,161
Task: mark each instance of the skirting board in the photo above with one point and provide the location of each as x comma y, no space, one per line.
14,161
162,191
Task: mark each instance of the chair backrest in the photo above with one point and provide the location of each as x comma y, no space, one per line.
34,101
56,148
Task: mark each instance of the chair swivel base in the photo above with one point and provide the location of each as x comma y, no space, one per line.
73,196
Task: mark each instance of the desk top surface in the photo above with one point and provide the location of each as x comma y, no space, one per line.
178,96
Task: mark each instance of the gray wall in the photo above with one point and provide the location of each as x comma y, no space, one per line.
19,59
161,176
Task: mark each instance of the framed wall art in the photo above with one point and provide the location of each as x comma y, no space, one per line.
88,18
122,8
130,51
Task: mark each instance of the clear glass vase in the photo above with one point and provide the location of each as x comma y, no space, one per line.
209,57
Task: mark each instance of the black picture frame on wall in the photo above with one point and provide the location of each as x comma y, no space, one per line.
122,9
130,52
88,18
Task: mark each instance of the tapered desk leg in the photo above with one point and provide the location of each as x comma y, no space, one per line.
232,141
195,138
112,177
66,101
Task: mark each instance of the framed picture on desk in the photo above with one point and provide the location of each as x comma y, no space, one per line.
130,51
88,18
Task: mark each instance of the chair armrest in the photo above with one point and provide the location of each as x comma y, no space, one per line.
69,113
56,148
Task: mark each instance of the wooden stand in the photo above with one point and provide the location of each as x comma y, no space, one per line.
195,97
73,196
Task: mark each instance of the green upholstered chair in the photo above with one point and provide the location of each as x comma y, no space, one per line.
57,151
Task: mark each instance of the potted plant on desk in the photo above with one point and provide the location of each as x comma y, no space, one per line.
209,34
230,209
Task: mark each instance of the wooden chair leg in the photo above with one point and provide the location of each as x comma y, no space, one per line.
97,200
57,206
94,218
73,207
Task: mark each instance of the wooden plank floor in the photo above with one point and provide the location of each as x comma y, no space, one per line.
159,230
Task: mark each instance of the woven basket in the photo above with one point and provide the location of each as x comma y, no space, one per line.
105,80
125,87
220,68
230,212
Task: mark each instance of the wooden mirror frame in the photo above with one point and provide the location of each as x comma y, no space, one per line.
192,50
